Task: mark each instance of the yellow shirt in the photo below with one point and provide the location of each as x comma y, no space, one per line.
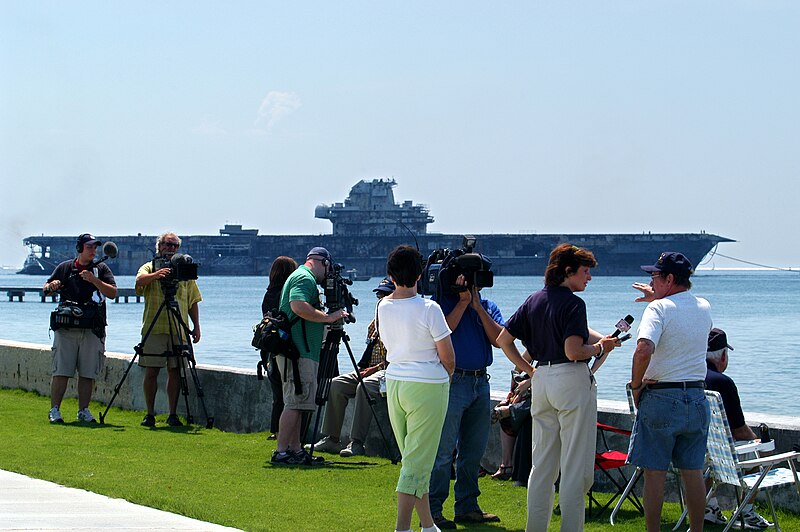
187,295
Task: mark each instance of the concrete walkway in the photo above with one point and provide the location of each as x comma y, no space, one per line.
31,504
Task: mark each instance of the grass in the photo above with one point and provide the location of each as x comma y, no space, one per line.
227,479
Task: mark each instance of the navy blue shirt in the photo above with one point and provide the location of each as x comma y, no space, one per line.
470,343
723,384
546,319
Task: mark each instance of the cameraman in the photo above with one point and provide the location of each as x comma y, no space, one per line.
300,298
86,285
162,337
476,323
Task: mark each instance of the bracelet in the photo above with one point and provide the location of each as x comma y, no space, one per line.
602,351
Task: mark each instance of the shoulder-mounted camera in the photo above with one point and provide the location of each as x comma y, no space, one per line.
444,266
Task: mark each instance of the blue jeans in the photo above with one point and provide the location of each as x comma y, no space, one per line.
466,429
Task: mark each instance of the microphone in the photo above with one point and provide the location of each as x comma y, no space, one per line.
110,251
623,325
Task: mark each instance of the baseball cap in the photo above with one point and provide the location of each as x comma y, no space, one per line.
717,340
319,252
386,286
671,262
87,238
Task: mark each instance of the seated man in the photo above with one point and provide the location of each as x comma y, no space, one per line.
346,387
717,363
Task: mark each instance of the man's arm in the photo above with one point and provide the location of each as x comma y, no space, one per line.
108,290
743,433
505,341
194,315
464,299
144,279
491,328
306,311
641,359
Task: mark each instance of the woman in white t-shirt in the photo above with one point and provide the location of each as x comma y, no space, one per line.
421,360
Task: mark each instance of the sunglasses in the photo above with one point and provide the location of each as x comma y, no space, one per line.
171,245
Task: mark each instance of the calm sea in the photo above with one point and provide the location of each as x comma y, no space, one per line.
758,309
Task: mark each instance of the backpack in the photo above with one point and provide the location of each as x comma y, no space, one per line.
272,336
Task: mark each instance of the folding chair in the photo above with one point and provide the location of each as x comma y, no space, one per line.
608,461
727,469
637,474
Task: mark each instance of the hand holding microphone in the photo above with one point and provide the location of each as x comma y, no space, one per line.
611,341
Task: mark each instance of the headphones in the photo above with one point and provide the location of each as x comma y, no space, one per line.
79,244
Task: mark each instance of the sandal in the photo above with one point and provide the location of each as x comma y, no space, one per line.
503,472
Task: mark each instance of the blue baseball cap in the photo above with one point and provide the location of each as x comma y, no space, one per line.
671,262
385,286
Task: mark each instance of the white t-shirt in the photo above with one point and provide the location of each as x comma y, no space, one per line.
678,325
410,328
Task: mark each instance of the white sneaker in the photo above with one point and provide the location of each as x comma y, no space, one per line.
714,515
55,415
354,448
752,521
86,416
326,445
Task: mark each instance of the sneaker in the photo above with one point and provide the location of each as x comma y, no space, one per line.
174,421
714,515
284,458
55,415
752,521
354,448
304,458
148,421
86,416
443,523
326,445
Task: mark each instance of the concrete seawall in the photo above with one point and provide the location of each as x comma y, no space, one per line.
239,402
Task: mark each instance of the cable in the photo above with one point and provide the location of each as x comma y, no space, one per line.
715,253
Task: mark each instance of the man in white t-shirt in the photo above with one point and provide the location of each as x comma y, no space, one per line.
667,380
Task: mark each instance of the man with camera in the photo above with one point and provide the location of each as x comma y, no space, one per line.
300,299
155,281
476,324
84,287
372,367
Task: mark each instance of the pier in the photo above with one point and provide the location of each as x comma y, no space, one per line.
18,293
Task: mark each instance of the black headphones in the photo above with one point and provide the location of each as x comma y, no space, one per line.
79,242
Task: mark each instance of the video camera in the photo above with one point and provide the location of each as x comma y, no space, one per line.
181,268
337,296
444,266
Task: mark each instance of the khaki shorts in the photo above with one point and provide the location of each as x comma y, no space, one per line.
152,353
308,377
79,349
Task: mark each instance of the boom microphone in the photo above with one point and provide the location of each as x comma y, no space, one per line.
110,251
623,325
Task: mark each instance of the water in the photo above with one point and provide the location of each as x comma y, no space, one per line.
758,310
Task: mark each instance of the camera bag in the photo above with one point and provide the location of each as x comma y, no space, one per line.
272,335
73,316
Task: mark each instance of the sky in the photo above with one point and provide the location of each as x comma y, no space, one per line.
518,116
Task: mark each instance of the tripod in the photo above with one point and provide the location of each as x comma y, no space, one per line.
182,350
327,362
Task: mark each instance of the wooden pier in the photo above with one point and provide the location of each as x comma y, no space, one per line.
18,293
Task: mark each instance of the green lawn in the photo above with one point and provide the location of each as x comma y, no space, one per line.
226,478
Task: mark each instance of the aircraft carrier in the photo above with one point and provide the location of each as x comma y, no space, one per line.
366,226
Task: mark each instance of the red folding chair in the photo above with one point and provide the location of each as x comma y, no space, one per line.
611,461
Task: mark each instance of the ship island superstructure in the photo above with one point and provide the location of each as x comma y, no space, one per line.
366,226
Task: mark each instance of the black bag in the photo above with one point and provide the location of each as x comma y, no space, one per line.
272,335
73,316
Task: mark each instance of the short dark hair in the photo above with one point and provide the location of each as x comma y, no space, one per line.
566,257
404,265
282,267
680,280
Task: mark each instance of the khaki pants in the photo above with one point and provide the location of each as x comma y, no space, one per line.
344,388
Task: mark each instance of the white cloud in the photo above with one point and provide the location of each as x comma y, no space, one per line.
275,106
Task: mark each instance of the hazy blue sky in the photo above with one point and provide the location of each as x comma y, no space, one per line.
629,116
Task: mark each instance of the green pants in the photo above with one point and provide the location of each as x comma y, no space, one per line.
416,411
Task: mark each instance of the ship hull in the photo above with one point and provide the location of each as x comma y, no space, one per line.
511,254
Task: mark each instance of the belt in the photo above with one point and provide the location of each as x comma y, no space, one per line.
685,385
470,372
556,362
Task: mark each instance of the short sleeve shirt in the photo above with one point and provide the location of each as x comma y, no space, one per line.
546,319
472,347
76,289
302,286
187,294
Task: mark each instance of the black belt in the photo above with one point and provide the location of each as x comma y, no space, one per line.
556,362
685,385
470,372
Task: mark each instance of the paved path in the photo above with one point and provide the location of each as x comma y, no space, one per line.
31,504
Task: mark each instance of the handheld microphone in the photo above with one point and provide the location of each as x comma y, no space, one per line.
110,251
623,325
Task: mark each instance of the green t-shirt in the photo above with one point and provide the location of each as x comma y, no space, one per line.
302,286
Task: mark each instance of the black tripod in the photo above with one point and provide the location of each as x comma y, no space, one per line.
182,349
328,358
